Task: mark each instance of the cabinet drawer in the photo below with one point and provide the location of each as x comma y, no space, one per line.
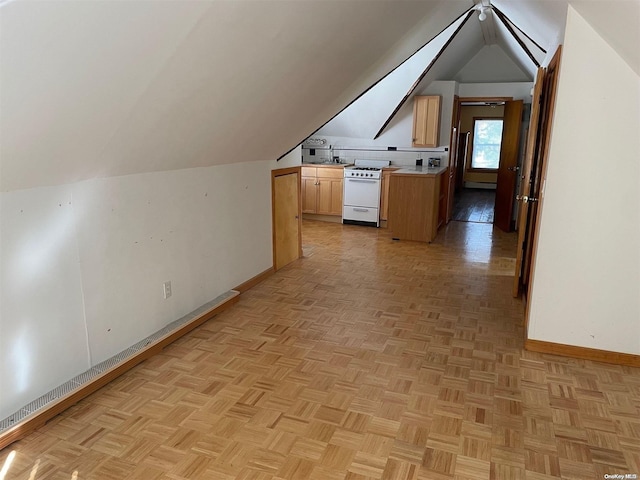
330,172
309,171
360,214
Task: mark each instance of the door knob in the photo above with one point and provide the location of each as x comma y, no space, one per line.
513,169
525,199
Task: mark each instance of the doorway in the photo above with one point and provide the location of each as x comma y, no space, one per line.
485,158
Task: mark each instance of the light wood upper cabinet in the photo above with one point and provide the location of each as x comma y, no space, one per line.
322,190
426,121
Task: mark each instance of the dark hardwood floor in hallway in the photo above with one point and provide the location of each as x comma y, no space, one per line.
474,205
366,359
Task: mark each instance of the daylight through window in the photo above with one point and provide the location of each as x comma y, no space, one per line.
487,136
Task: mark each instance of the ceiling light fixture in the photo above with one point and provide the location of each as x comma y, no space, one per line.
482,16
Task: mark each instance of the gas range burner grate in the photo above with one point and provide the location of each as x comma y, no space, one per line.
366,168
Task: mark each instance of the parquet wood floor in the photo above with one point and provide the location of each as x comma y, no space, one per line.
367,359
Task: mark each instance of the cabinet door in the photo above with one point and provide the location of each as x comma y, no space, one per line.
384,196
426,121
330,196
442,198
309,195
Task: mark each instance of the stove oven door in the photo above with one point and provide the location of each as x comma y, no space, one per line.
361,201
362,192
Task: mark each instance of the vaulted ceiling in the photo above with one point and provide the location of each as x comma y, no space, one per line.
94,89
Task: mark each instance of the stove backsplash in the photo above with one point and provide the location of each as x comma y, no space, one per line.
400,157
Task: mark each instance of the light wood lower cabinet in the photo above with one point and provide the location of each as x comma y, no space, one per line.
384,193
309,194
414,204
322,190
442,202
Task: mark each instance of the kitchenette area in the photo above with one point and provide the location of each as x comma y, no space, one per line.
399,190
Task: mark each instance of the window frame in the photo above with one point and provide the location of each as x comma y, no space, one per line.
471,168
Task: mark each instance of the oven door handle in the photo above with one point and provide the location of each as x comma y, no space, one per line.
362,180
356,209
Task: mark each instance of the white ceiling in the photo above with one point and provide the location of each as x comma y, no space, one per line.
92,89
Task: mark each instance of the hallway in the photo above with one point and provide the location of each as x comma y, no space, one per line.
367,359
474,205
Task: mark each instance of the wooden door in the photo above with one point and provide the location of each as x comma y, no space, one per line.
463,146
454,162
507,170
535,199
287,222
525,185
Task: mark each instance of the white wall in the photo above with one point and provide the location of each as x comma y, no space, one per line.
83,264
291,159
102,89
490,64
399,132
365,117
517,90
586,287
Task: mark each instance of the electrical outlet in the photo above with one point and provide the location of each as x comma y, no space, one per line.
166,287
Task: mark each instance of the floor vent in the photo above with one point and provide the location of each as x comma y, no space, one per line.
85,377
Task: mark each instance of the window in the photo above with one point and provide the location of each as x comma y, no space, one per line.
487,136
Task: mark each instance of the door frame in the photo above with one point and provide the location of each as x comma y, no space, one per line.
453,158
458,103
277,173
524,214
549,94
506,176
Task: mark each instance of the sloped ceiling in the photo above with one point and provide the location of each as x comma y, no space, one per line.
103,88
363,118
110,88
491,64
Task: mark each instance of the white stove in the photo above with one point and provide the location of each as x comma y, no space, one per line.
361,196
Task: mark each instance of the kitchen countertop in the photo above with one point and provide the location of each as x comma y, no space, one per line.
419,170
326,164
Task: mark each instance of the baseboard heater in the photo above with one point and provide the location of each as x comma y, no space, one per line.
485,185
72,390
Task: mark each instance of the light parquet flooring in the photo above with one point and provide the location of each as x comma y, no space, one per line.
366,359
